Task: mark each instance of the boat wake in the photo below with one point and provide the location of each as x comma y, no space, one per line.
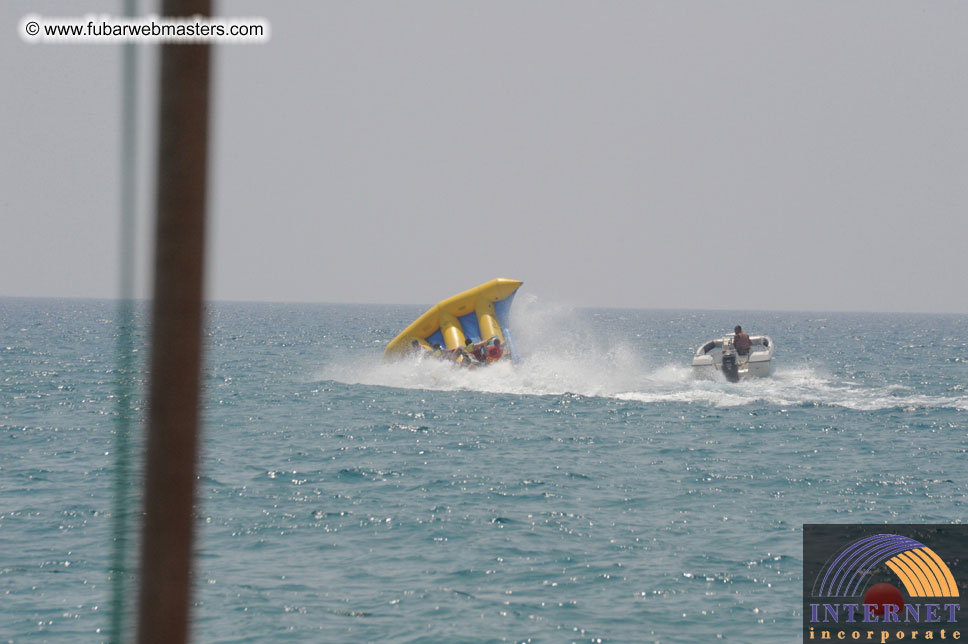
617,377
566,356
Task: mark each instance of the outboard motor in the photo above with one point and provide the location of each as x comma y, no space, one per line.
730,368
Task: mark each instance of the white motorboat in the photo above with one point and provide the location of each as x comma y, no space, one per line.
721,355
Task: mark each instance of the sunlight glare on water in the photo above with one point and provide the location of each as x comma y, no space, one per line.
596,490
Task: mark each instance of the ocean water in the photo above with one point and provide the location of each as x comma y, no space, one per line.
594,492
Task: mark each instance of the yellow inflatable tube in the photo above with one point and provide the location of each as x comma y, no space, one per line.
477,313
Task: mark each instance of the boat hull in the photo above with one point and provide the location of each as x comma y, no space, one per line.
757,369
708,362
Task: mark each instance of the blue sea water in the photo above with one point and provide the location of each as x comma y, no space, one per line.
594,492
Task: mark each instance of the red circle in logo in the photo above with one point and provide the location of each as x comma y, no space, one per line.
882,595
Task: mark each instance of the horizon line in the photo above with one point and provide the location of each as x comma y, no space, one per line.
577,306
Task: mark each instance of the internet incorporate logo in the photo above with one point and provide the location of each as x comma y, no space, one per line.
862,583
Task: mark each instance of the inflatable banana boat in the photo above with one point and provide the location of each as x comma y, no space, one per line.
479,314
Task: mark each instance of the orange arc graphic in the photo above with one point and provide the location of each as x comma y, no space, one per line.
943,570
911,584
923,573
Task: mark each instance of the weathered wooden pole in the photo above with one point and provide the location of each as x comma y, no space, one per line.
176,337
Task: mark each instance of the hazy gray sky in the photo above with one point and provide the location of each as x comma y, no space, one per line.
745,155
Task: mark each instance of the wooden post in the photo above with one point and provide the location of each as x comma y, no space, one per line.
176,338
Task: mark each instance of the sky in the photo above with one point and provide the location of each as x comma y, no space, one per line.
772,155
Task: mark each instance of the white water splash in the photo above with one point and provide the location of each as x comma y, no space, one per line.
566,355
615,377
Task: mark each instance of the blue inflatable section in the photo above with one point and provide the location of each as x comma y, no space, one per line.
472,329
436,338
503,311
